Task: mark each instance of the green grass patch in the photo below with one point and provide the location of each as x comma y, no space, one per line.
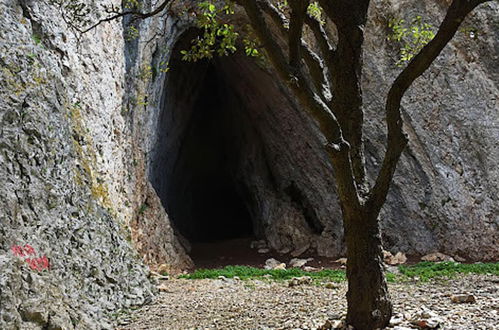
423,271
245,273
428,270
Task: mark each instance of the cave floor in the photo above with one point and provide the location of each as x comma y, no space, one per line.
239,252
253,304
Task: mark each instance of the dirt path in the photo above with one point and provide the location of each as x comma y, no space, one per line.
234,304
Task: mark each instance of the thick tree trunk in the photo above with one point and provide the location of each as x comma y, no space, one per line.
369,305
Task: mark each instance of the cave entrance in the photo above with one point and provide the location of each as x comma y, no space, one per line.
196,166
207,205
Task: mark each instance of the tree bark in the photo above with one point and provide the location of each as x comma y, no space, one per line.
369,305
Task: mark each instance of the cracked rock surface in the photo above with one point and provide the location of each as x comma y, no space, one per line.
58,131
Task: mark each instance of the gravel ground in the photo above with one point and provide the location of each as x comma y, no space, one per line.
235,304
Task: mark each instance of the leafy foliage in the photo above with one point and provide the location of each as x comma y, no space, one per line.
412,37
217,38
131,33
315,11
132,4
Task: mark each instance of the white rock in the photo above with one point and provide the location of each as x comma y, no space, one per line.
342,261
295,281
274,264
396,320
397,259
298,263
437,256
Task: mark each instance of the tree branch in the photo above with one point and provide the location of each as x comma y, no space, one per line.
345,65
312,60
296,21
397,140
338,148
136,14
323,42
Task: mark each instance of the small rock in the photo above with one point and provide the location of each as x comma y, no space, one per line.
163,269
124,322
426,320
310,269
159,276
298,263
397,259
265,250
437,256
274,264
326,326
281,266
386,255
396,320
162,288
261,244
330,285
427,324
338,324
334,316
392,269
295,281
463,298
342,261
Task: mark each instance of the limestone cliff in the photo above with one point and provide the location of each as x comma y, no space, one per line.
63,180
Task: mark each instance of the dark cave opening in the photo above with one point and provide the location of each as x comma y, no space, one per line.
197,156
234,159
209,206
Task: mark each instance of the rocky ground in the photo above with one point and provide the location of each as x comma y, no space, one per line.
256,304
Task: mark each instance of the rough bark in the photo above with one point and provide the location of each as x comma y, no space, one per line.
369,305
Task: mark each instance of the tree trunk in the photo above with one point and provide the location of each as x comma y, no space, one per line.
369,305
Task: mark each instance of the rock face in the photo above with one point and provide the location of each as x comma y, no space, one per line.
100,145
60,136
445,192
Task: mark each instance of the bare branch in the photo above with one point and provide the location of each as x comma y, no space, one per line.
316,69
135,14
312,60
323,42
397,141
338,148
